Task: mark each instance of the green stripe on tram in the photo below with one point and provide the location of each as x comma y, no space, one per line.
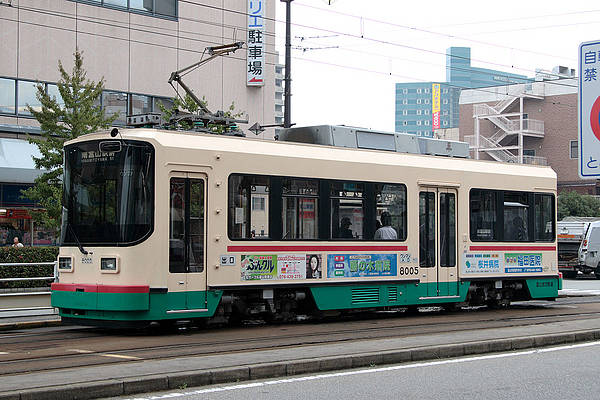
136,306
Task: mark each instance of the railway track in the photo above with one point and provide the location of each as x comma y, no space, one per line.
58,348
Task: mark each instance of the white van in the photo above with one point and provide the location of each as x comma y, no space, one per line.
589,250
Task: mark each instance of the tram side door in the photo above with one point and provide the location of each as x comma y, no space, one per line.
437,240
187,240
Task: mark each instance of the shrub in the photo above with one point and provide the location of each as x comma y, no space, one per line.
27,255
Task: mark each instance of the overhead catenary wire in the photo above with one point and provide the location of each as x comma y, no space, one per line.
237,58
72,16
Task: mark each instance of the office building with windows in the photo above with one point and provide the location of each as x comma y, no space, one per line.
416,101
534,123
134,45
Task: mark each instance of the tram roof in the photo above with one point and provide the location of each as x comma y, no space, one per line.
257,146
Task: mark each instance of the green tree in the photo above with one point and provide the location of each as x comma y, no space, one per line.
77,115
572,203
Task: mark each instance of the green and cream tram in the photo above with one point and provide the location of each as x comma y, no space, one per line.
164,226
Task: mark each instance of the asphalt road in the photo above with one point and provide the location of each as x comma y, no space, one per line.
561,373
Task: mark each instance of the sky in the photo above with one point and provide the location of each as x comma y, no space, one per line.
349,54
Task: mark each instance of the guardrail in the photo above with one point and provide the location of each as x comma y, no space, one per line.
27,301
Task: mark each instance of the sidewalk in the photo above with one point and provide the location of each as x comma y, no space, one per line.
150,376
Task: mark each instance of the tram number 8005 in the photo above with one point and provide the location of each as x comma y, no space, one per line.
408,270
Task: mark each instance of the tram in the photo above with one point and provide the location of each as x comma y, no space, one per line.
163,226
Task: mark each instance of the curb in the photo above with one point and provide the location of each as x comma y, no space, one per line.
182,380
28,325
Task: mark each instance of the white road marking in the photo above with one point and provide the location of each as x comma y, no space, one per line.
3,353
119,356
367,371
105,354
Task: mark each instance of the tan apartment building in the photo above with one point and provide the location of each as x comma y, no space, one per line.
134,45
534,123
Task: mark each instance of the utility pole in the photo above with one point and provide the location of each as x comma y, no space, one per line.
287,112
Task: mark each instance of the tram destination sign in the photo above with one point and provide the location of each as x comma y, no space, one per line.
589,110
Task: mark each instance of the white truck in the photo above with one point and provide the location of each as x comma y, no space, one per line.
589,250
571,234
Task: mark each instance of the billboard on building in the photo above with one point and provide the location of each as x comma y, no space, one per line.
435,105
255,58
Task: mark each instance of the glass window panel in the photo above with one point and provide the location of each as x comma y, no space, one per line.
483,215
144,5
140,104
300,209
347,210
7,96
516,217
54,92
166,7
115,102
427,229
177,226
248,207
574,151
391,212
120,3
26,96
167,103
447,230
196,224
544,217
43,236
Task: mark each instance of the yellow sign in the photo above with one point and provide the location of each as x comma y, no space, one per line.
435,98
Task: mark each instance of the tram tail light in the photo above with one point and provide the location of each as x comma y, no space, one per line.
109,264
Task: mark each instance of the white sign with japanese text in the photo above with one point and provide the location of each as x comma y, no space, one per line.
256,43
589,110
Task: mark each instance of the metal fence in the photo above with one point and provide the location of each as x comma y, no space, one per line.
27,301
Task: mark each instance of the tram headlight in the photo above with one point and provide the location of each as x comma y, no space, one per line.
108,264
65,264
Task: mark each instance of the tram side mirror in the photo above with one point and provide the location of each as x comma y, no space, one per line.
114,132
110,146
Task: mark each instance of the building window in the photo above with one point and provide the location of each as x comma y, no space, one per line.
427,123
419,112
445,123
445,101
419,123
574,149
278,82
445,112
404,101
115,102
52,91
7,96
404,123
445,91
418,101
419,91
426,101
159,8
139,104
427,90
529,152
26,96
426,112
404,112
405,91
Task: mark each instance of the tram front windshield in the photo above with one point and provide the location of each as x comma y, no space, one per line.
108,194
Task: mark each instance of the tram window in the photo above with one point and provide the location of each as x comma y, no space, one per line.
447,230
483,215
544,217
347,210
177,226
516,217
392,199
300,209
427,229
248,207
186,226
